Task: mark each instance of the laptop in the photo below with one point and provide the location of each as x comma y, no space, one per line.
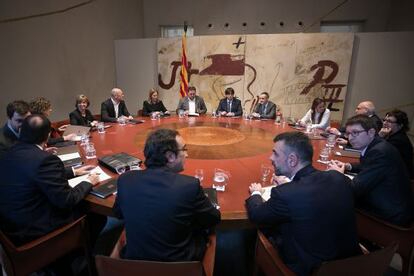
78,130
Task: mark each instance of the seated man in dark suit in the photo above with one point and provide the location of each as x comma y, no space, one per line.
114,108
265,109
382,186
229,106
166,214
192,104
311,213
9,134
35,196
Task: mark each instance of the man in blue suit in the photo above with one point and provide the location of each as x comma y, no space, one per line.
9,134
310,213
229,106
382,185
35,196
166,214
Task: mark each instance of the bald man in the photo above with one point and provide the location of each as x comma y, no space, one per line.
114,108
363,108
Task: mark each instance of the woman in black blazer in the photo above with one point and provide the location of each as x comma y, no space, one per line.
394,131
153,104
81,116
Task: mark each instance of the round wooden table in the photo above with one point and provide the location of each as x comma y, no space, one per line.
235,145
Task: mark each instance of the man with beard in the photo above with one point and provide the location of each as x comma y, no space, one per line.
166,214
310,214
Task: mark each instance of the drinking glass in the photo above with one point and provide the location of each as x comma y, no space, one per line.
120,169
265,169
84,139
246,116
324,155
101,127
331,141
199,173
220,180
154,116
122,121
181,114
90,151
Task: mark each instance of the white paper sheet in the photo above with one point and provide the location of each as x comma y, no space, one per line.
102,176
69,156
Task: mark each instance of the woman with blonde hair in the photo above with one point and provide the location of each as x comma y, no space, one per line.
81,116
153,104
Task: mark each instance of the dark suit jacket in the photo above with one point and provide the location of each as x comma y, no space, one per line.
312,217
148,108
199,104
236,107
108,111
7,139
382,186
35,197
270,110
403,144
164,214
76,118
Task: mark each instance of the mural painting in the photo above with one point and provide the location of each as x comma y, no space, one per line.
292,68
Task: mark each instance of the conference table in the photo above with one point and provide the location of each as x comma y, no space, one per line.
234,145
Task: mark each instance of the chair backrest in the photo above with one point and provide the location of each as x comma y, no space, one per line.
114,265
384,234
37,254
107,266
267,258
374,263
140,113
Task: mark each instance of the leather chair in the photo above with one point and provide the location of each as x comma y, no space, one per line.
375,263
114,265
37,254
384,233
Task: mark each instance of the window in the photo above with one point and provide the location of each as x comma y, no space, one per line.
341,26
174,31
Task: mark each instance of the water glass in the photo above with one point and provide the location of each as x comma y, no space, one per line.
246,116
308,128
324,155
154,116
120,169
101,127
122,121
199,173
181,114
84,139
90,151
220,180
265,169
331,140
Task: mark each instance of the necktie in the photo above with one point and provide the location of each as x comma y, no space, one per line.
228,106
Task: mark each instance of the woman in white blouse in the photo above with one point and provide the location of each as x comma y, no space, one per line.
318,114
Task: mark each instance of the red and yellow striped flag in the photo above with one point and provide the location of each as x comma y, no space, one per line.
184,72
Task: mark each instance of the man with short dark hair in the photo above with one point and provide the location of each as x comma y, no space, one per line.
310,213
9,134
229,106
265,109
192,103
166,214
382,186
35,196
114,108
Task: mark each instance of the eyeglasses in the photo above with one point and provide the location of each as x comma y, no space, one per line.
183,149
354,133
388,121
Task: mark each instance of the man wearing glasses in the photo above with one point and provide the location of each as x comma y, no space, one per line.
166,214
382,186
